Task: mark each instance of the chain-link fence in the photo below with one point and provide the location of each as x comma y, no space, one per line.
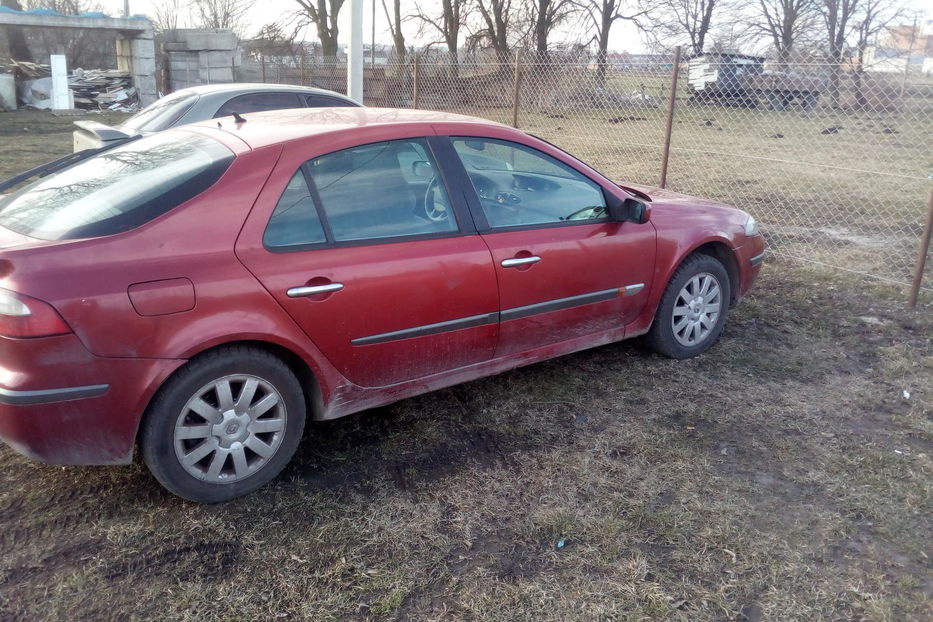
833,161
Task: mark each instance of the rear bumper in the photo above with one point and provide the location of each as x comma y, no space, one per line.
61,404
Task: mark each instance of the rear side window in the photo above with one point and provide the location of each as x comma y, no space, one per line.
117,190
382,190
295,222
323,101
162,114
258,102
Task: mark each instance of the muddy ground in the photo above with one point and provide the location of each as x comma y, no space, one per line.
784,475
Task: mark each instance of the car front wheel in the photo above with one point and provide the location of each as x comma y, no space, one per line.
693,309
224,425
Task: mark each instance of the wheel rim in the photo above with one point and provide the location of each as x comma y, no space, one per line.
696,309
230,429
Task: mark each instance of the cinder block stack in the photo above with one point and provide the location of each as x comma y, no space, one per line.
201,56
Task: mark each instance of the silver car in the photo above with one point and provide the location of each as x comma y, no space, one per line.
200,103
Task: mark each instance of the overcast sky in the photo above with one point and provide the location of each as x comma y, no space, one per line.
624,37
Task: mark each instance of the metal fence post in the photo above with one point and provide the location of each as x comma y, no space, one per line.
516,87
921,255
262,65
671,100
414,81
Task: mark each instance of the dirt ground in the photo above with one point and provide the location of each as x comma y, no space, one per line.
784,475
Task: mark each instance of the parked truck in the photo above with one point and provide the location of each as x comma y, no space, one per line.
741,79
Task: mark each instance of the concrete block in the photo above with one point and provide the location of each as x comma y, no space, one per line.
214,75
215,59
220,39
145,66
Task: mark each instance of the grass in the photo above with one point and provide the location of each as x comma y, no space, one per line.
781,476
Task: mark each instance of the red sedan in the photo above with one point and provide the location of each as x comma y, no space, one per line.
203,291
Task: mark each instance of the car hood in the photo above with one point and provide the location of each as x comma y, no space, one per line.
673,206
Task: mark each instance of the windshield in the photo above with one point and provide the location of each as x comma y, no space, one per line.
117,190
162,114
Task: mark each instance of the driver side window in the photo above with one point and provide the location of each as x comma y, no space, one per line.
520,186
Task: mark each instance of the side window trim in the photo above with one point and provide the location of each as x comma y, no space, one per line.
318,205
473,201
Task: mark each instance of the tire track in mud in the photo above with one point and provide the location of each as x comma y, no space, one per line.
205,561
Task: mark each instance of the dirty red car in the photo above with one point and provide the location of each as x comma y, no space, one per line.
202,292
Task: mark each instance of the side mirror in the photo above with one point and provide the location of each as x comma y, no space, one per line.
627,210
422,169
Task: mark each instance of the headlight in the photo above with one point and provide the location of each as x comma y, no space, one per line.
751,227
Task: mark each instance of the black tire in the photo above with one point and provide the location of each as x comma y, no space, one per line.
661,338
231,365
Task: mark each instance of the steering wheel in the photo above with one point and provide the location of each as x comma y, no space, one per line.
434,210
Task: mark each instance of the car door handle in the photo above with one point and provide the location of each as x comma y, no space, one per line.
310,290
520,261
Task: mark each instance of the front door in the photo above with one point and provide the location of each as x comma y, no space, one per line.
564,269
365,251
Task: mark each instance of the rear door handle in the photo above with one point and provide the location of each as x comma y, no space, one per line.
520,261
310,290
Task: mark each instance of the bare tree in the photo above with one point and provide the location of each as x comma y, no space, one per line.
395,26
690,18
497,25
547,15
220,13
323,14
837,17
601,15
875,16
447,24
784,22
167,15
19,49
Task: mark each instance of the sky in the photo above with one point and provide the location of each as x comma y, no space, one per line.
624,37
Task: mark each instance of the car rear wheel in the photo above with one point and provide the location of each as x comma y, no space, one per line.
693,309
227,423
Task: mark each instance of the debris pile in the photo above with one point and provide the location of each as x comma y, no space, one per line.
93,89
103,89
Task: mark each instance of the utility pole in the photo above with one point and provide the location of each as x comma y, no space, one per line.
355,53
910,49
126,8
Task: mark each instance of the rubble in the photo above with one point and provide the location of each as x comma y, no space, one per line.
93,89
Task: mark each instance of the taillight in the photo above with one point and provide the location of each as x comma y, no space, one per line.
24,316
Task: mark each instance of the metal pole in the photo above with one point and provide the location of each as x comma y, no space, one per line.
516,87
355,52
414,85
671,100
372,48
922,255
262,64
910,49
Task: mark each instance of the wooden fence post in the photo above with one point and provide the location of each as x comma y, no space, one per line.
414,85
262,64
516,87
921,255
671,100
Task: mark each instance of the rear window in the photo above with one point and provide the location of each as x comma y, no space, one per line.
162,114
117,190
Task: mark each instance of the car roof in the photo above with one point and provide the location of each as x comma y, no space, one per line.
277,126
256,87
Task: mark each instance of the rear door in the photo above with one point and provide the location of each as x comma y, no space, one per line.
366,251
564,269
